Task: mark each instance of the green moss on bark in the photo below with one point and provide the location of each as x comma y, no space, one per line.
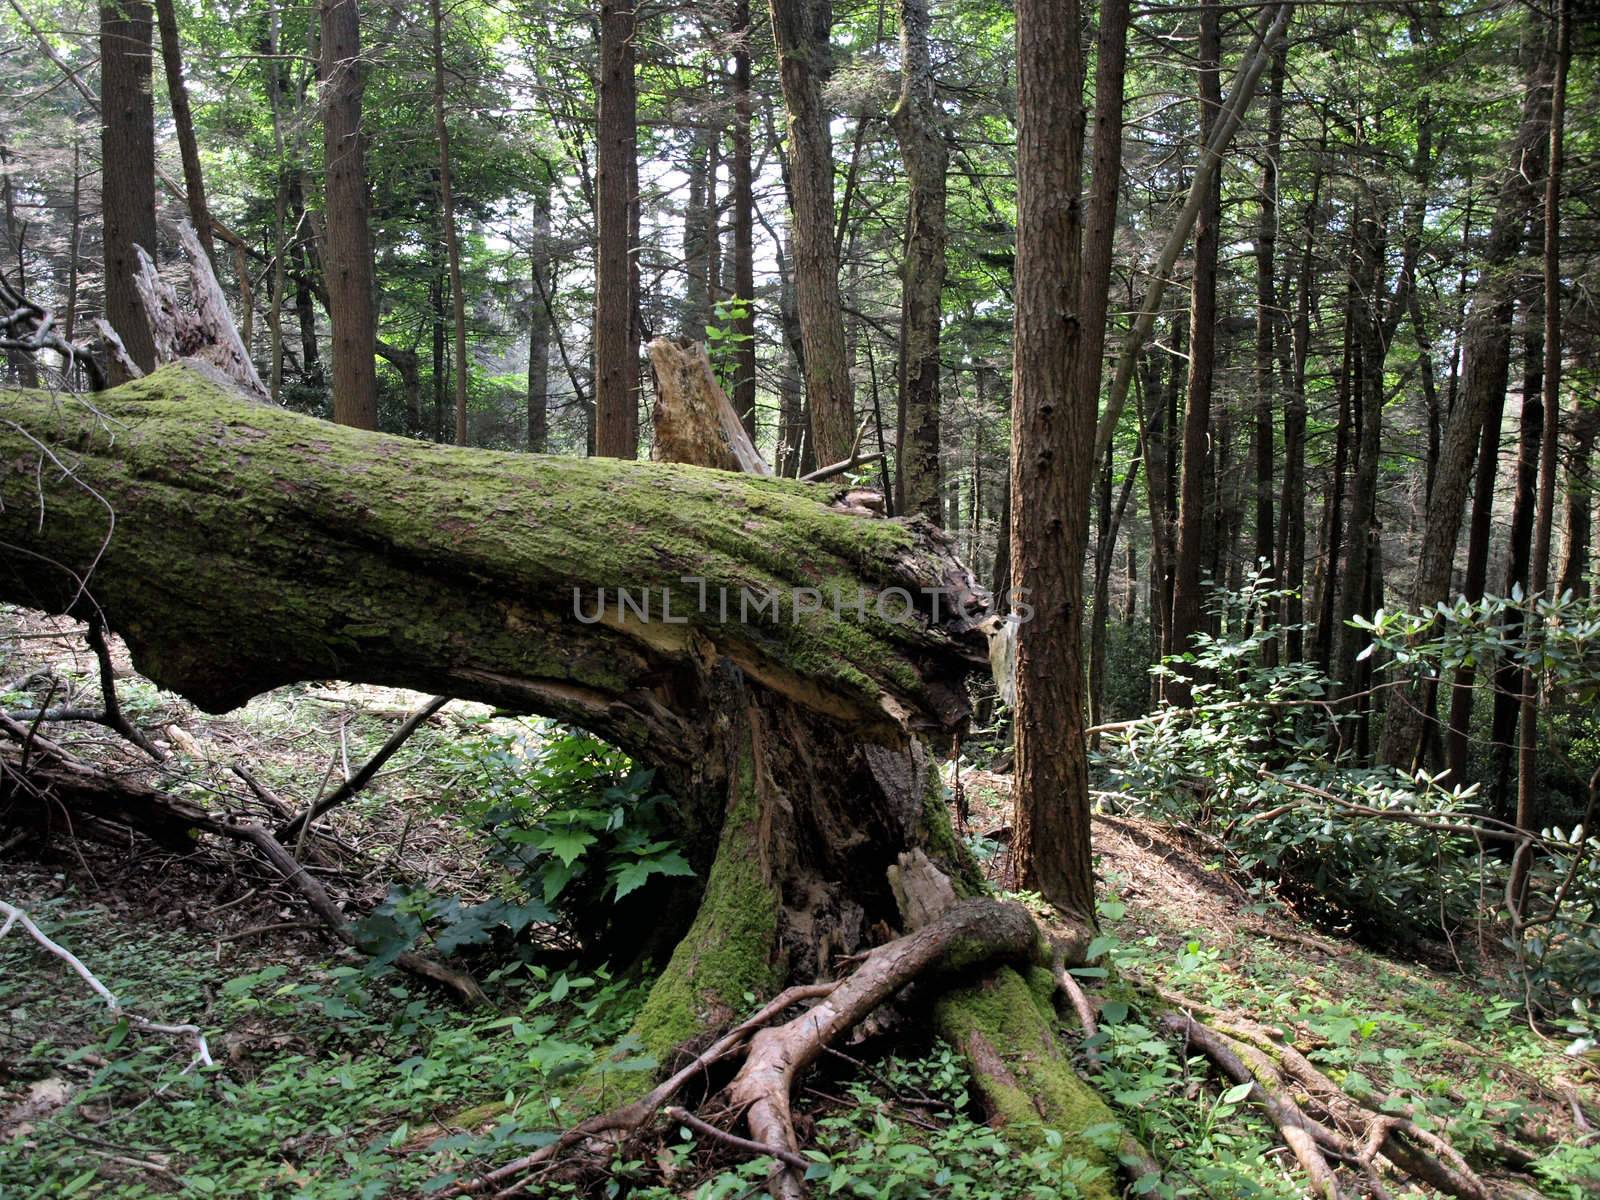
1037,1089
731,947
407,556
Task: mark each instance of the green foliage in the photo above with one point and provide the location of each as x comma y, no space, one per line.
1253,760
724,341
1261,762
327,1082
571,821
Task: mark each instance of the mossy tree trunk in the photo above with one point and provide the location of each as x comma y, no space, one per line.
238,547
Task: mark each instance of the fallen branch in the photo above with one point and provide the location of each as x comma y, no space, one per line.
173,821
345,791
850,463
112,717
15,916
1318,1120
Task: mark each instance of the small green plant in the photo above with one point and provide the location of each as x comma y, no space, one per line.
724,340
575,826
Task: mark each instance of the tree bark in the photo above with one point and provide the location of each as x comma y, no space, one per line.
22,363
128,171
1292,557
1186,599
183,121
1487,342
539,325
1367,353
452,247
616,347
744,225
800,29
348,254
1477,576
1267,322
917,123
1052,465
1539,572
1576,524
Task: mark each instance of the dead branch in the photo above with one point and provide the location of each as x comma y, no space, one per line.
173,821
15,916
855,459
1317,1119
291,829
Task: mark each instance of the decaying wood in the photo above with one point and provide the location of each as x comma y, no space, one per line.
116,351
207,331
694,421
246,505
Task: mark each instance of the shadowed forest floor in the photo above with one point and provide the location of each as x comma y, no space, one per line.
333,1081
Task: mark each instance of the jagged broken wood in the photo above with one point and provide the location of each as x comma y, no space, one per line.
204,329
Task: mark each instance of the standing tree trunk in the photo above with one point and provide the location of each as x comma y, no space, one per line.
616,347
1266,249
1052,456
183,121
1519,546
1366,391
22,362
917,123
1186,605
1292,557
1457,738
801,29
539,325
744,226
348,256
1487,354
128,166
1575,508
452,247
696,231
1528,746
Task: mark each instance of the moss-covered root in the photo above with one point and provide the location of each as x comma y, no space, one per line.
731,949
1005,1027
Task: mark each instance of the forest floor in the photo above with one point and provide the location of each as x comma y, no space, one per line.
334,1081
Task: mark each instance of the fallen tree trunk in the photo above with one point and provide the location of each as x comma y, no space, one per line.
773,657
773,648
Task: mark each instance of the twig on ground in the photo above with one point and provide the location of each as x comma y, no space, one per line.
16,916
295,825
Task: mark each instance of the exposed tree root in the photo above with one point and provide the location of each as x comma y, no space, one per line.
1323,1124
609,1127
970,935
